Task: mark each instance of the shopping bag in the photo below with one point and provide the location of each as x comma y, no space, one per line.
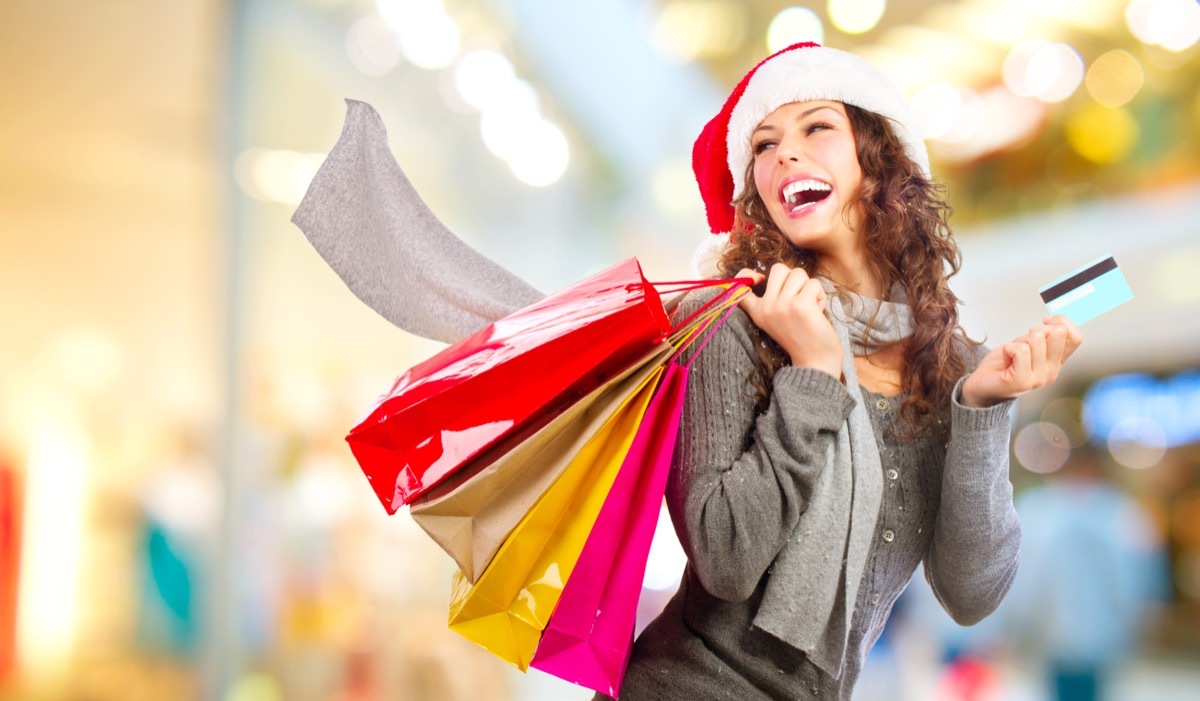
506,610
472,512
444,412
589,636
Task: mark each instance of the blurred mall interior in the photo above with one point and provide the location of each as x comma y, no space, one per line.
180,517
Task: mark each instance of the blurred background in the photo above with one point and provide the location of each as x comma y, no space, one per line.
180,517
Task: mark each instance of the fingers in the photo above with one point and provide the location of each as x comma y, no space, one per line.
755,276
1073,336
749,301
784,282
1020,363
1056,343
1039,364
1026,363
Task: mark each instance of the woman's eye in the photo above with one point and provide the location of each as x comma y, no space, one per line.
762,146
816,126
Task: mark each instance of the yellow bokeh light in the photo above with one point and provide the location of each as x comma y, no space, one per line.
1115,78
855,16
688,29
1102,134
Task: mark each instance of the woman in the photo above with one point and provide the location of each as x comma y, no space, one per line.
831,442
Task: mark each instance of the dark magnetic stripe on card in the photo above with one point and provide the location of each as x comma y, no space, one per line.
1078,279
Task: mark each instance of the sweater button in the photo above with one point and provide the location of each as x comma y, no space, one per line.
889,535
881,404
874,599
893,474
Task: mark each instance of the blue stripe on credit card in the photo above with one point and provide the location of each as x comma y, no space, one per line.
1088,292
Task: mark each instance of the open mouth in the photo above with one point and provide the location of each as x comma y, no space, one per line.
804,194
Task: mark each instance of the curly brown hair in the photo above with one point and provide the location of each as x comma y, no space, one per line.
906,223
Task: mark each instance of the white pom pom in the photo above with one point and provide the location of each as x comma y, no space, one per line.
708,256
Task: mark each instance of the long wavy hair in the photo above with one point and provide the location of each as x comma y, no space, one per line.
906,224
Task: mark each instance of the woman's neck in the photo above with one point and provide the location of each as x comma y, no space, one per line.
850,271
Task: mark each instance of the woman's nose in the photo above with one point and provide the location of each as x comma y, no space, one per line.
787,150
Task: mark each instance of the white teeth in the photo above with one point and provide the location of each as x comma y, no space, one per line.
791,189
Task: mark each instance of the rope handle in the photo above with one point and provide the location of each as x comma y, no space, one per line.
710,329
730,285
705,321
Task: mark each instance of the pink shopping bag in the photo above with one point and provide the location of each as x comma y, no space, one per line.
589,637
580,644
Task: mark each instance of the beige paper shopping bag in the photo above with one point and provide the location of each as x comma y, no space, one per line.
472,513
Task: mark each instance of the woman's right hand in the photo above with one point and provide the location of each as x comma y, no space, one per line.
792,312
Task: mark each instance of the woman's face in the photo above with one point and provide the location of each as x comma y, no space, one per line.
807,173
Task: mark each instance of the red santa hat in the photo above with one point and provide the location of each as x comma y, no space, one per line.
799,73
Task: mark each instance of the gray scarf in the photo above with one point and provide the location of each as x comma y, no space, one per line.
810,595
369,224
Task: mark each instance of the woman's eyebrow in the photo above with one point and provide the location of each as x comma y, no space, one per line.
805,113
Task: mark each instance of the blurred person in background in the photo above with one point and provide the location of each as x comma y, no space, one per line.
1093,570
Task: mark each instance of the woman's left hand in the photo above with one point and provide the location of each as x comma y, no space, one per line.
1027,363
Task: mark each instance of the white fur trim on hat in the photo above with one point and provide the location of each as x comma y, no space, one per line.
818,73
708,254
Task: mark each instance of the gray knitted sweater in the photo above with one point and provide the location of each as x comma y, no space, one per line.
740,482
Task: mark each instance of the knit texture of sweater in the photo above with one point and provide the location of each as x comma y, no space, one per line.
740,481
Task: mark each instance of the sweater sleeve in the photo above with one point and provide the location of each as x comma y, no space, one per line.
741,481
972,559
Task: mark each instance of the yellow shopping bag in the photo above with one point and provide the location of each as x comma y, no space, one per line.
507,608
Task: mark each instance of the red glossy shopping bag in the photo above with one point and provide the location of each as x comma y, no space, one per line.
506,378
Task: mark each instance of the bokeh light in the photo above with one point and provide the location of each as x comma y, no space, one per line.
855,16
1171,24
427,36
1172,403
1042,447
1102,134
969,119
372,46
482,75
1137,442
1114,78
794,25
276,175
541,155
937,108
1051,72
1067,414
1177,276
688,29
506,115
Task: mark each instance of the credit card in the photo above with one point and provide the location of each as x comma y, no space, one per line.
1086,293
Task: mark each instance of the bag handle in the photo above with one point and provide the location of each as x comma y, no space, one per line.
710,329
730,286
704,322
